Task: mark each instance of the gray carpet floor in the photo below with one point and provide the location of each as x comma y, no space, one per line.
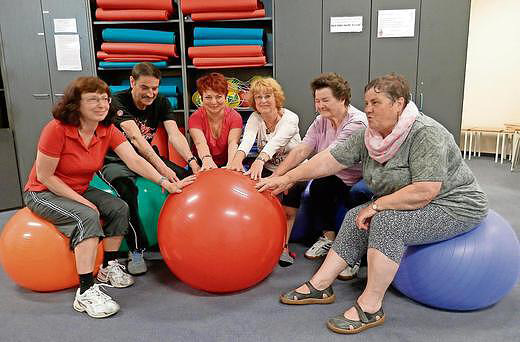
161,308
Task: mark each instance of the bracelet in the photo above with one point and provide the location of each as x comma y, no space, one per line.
161,180
261,159
193,158
206,156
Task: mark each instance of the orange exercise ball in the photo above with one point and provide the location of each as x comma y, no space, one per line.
37,256
220,234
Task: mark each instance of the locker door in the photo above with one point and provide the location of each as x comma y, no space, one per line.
26,77
298,54
395,54
58,9
347,52
442,61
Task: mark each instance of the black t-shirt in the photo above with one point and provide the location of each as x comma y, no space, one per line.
147,120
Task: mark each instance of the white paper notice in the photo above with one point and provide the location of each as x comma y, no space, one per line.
346,24
396,23
68,55
65,25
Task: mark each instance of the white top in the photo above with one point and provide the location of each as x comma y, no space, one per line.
277,144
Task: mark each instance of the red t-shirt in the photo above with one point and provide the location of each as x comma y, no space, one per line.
77,163
217,147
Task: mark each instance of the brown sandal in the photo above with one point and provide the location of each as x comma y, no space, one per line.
315,296
340,324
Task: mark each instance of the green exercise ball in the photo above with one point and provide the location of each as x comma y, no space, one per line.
150,200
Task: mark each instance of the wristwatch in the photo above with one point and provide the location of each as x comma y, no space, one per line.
375,207
193,158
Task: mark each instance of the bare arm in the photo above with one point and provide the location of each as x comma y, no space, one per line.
202,149
179,142
45,168
293,159
233,138
140,166
145,149
321,165
413,196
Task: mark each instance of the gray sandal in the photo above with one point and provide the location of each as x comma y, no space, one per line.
315,296
340,324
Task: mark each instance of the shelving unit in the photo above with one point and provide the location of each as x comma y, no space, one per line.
183,27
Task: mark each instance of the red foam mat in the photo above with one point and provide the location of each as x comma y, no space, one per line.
196,6
228,62
140,49
129,57
136,4
226,51
259,13
123,15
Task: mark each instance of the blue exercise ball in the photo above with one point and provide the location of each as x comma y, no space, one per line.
468,272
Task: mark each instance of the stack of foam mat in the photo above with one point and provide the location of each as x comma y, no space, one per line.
123,48
170,87
126,10
204,10
218,47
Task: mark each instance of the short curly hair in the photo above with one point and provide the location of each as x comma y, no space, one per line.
214,81
392,86
67,109
266,84
339,86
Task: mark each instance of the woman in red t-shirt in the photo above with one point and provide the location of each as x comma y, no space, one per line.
214,128
70,150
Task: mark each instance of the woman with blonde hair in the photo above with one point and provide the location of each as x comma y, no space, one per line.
275,129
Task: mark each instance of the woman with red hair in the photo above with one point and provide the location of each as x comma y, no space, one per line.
215,128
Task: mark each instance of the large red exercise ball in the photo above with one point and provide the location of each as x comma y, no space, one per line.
220,234
468,272
37,256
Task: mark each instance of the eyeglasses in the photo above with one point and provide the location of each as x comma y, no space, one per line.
266,97
94,100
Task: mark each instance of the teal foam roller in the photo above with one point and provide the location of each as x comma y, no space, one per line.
127,65
173,102
223,42
227,33
137,36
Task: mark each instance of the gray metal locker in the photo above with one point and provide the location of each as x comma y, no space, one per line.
442,61
348,53
298,54
26,77
395,54
79,10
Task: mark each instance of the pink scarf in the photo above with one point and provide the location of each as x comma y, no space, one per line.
383,149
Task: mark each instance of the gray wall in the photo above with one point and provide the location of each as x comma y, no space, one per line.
433,61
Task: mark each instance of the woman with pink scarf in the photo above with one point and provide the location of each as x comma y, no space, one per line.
424,192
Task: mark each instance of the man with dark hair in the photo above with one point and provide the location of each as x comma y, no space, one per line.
140,110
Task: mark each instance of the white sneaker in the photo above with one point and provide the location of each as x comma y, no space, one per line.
349,272
114,275
95,302
319,249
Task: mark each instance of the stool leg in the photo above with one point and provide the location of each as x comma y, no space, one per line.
465,144
479,143
496,149
514,155
470,144
502,154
